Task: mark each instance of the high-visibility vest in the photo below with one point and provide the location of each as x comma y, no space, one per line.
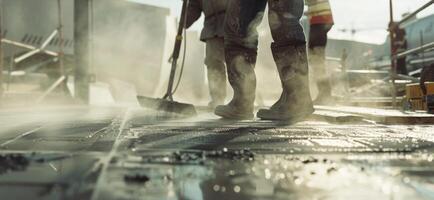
319,12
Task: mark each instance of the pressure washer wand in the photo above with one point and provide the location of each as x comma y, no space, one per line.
167,103
176,51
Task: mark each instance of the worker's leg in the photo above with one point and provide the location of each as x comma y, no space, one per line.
427,75
401,66
317,44
289,52
216,70
241,41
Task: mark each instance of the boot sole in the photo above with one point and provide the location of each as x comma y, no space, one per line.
231,116
285,118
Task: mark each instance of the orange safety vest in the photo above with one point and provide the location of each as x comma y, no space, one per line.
319,12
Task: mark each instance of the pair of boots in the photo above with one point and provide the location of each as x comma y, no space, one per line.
295,102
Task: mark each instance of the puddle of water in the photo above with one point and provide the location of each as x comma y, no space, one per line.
264,177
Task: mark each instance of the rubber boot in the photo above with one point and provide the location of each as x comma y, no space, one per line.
295,103
241,75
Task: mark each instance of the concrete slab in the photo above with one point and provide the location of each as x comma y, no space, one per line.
131,153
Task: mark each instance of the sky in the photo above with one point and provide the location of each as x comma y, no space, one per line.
368,17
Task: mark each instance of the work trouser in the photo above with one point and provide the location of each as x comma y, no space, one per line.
241,38
244,16
318,35
401,63
216,69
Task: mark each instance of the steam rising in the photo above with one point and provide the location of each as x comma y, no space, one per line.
133,42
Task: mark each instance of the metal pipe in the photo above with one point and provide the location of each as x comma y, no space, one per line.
405,77
38,50
408,17
51,89
61,39
420,61
1,51
49,39
11,67
61,56
26,46
81,49
333,59
415,50
92,72
176,50
393,52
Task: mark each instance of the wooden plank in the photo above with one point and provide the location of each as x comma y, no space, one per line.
336,117
383,116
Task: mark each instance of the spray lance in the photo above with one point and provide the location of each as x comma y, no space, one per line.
177,50
167,103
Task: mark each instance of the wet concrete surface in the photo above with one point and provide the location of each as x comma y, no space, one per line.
120,153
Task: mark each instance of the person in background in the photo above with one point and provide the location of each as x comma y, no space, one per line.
213,35
289,52
321,21
400,45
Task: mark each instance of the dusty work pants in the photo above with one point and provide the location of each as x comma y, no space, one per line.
243,17
216,69
241,40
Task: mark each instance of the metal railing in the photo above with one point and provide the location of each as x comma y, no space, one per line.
415,50
413,14
35,50
395,55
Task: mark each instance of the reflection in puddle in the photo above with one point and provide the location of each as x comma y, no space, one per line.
337,143
266,177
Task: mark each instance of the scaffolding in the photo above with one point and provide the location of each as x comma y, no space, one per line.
33,50
395,55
